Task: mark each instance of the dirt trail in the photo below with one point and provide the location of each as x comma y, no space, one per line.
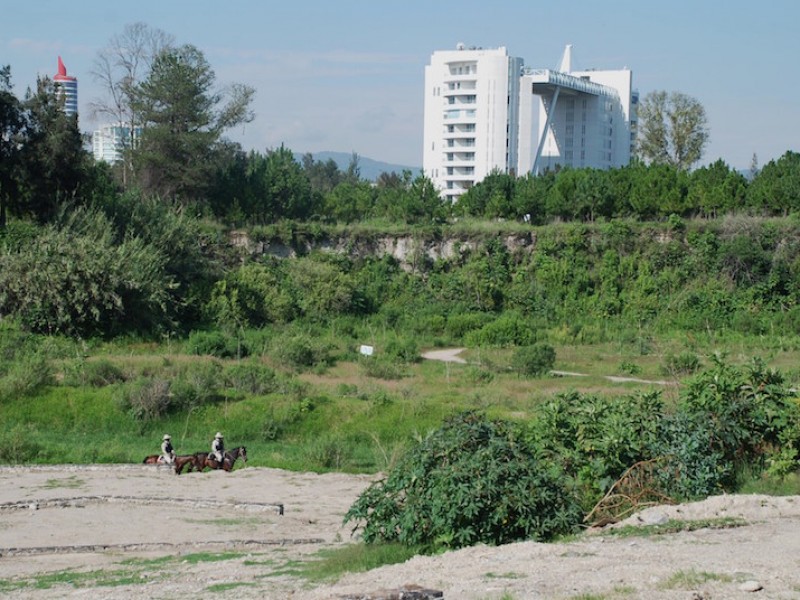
98,518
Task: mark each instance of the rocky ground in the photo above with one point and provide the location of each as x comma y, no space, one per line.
134,531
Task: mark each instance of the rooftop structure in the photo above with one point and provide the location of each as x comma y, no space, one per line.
68,87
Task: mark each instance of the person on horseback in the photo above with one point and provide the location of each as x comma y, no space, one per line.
167,451
217,449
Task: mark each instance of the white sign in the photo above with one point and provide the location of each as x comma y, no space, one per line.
366,350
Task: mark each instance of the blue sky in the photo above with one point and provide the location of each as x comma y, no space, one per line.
347,75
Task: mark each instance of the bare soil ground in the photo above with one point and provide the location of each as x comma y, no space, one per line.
131,531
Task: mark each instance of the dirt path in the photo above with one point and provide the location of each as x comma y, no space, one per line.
452,355
130,532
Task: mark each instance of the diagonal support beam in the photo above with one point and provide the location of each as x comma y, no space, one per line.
548,123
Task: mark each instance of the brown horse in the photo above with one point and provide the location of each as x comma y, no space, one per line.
227,461
189,461
152,459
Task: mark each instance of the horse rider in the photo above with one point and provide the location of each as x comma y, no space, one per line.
217,448
167,451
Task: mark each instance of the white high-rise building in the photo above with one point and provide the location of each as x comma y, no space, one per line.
484,111
110,141
471,116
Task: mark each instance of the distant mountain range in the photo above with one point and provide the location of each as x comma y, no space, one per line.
370,169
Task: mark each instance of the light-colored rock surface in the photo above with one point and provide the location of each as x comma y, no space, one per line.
98,518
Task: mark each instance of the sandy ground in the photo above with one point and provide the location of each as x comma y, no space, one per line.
131,531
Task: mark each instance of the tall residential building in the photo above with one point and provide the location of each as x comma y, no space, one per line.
471,116
110,141
485,111
68,86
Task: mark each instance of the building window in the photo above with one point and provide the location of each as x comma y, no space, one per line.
450,128
568,142
568,154
570,115
570,129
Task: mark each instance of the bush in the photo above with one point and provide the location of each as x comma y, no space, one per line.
471,481
301,352
16,446
251,378
215,343
146,399
686,363
533,361
508,329
25,376
197,385
94,373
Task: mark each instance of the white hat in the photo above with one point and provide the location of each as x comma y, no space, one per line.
219,435
166,436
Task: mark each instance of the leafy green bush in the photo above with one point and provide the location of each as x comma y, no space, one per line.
404,349
214,343
95,373
509,329
26,375
251,378
79,281
471,481
686,363
146,399
16,446
755,415
299,351
691,466
382,367
196,385
594,439
533,361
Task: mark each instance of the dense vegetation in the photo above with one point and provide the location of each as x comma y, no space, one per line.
127,310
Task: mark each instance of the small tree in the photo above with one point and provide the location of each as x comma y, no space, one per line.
672,129
533,361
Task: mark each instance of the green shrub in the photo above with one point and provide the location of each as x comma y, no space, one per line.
146,399
533,361
382,367
595,439
300,351
94,373
251,378
17,447
691,466
686,363
196,385
214,343
26,375
509,329
471,481
404,349
459,325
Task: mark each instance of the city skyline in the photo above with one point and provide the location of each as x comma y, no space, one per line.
349,76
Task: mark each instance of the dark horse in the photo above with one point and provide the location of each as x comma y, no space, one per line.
227,461
189,461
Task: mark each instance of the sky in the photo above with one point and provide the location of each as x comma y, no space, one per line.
348,75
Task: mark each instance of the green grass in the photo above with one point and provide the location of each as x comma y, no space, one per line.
71,482
674,526
687,580
337,419
772,486
224,587
331,564
75,579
